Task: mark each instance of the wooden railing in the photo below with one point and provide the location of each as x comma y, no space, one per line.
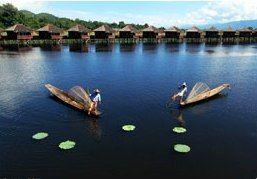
24,37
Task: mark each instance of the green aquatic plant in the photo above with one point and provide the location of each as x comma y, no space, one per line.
128,127
179,129
67,145
182,148
40,135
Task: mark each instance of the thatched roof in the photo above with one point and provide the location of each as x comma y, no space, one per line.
19,28
151,29
212,29
193,29
79,28
229,29
245,30
172,29
50,28
129,28
104,28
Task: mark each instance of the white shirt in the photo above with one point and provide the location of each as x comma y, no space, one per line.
95,98
182,92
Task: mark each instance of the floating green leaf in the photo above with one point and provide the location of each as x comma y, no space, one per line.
128,127
182,148
40,135
179,129
67,145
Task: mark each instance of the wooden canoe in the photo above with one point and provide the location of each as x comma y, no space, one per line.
62,95
205,95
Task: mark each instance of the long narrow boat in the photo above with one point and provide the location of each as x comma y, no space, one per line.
205,95
65,97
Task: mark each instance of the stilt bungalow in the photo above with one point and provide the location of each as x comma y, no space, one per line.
229,36
172,34
149,34
212,35
244,35
18,32
78,32
193,35
102,33
254,35
127,33
49,32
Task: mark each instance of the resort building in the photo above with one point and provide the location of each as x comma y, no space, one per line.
193,35
244,35
212,35
18,32
254,35
50,32
103,32
129,31
229,35
150,32
172,34
78,32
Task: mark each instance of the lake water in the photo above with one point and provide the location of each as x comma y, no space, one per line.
136,81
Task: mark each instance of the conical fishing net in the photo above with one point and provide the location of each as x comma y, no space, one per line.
80,95
198,89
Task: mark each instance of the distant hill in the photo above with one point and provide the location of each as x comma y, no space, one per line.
233,24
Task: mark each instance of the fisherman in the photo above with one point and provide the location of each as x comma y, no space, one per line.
181,94
96,99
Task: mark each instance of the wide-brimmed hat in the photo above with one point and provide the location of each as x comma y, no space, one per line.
97,90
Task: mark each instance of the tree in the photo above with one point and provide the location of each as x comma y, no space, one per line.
8,14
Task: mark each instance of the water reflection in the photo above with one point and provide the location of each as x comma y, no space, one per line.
172,47
103,47
78,48
193,48
17,48
178,115
50,47
127,47
149,46
94,129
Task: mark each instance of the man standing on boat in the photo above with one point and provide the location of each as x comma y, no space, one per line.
96,99
181,93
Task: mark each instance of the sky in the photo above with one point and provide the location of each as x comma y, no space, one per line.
162,13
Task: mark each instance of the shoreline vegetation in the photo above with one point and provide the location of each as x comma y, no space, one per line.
26,28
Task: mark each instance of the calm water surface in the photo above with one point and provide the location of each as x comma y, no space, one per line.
136,82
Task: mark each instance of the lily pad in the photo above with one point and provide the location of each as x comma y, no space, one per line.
179,129
40,135
67,145
128,127
182,148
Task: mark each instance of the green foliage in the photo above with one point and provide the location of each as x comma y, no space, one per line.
10,15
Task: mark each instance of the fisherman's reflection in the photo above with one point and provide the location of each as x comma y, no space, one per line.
178,115
94,130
